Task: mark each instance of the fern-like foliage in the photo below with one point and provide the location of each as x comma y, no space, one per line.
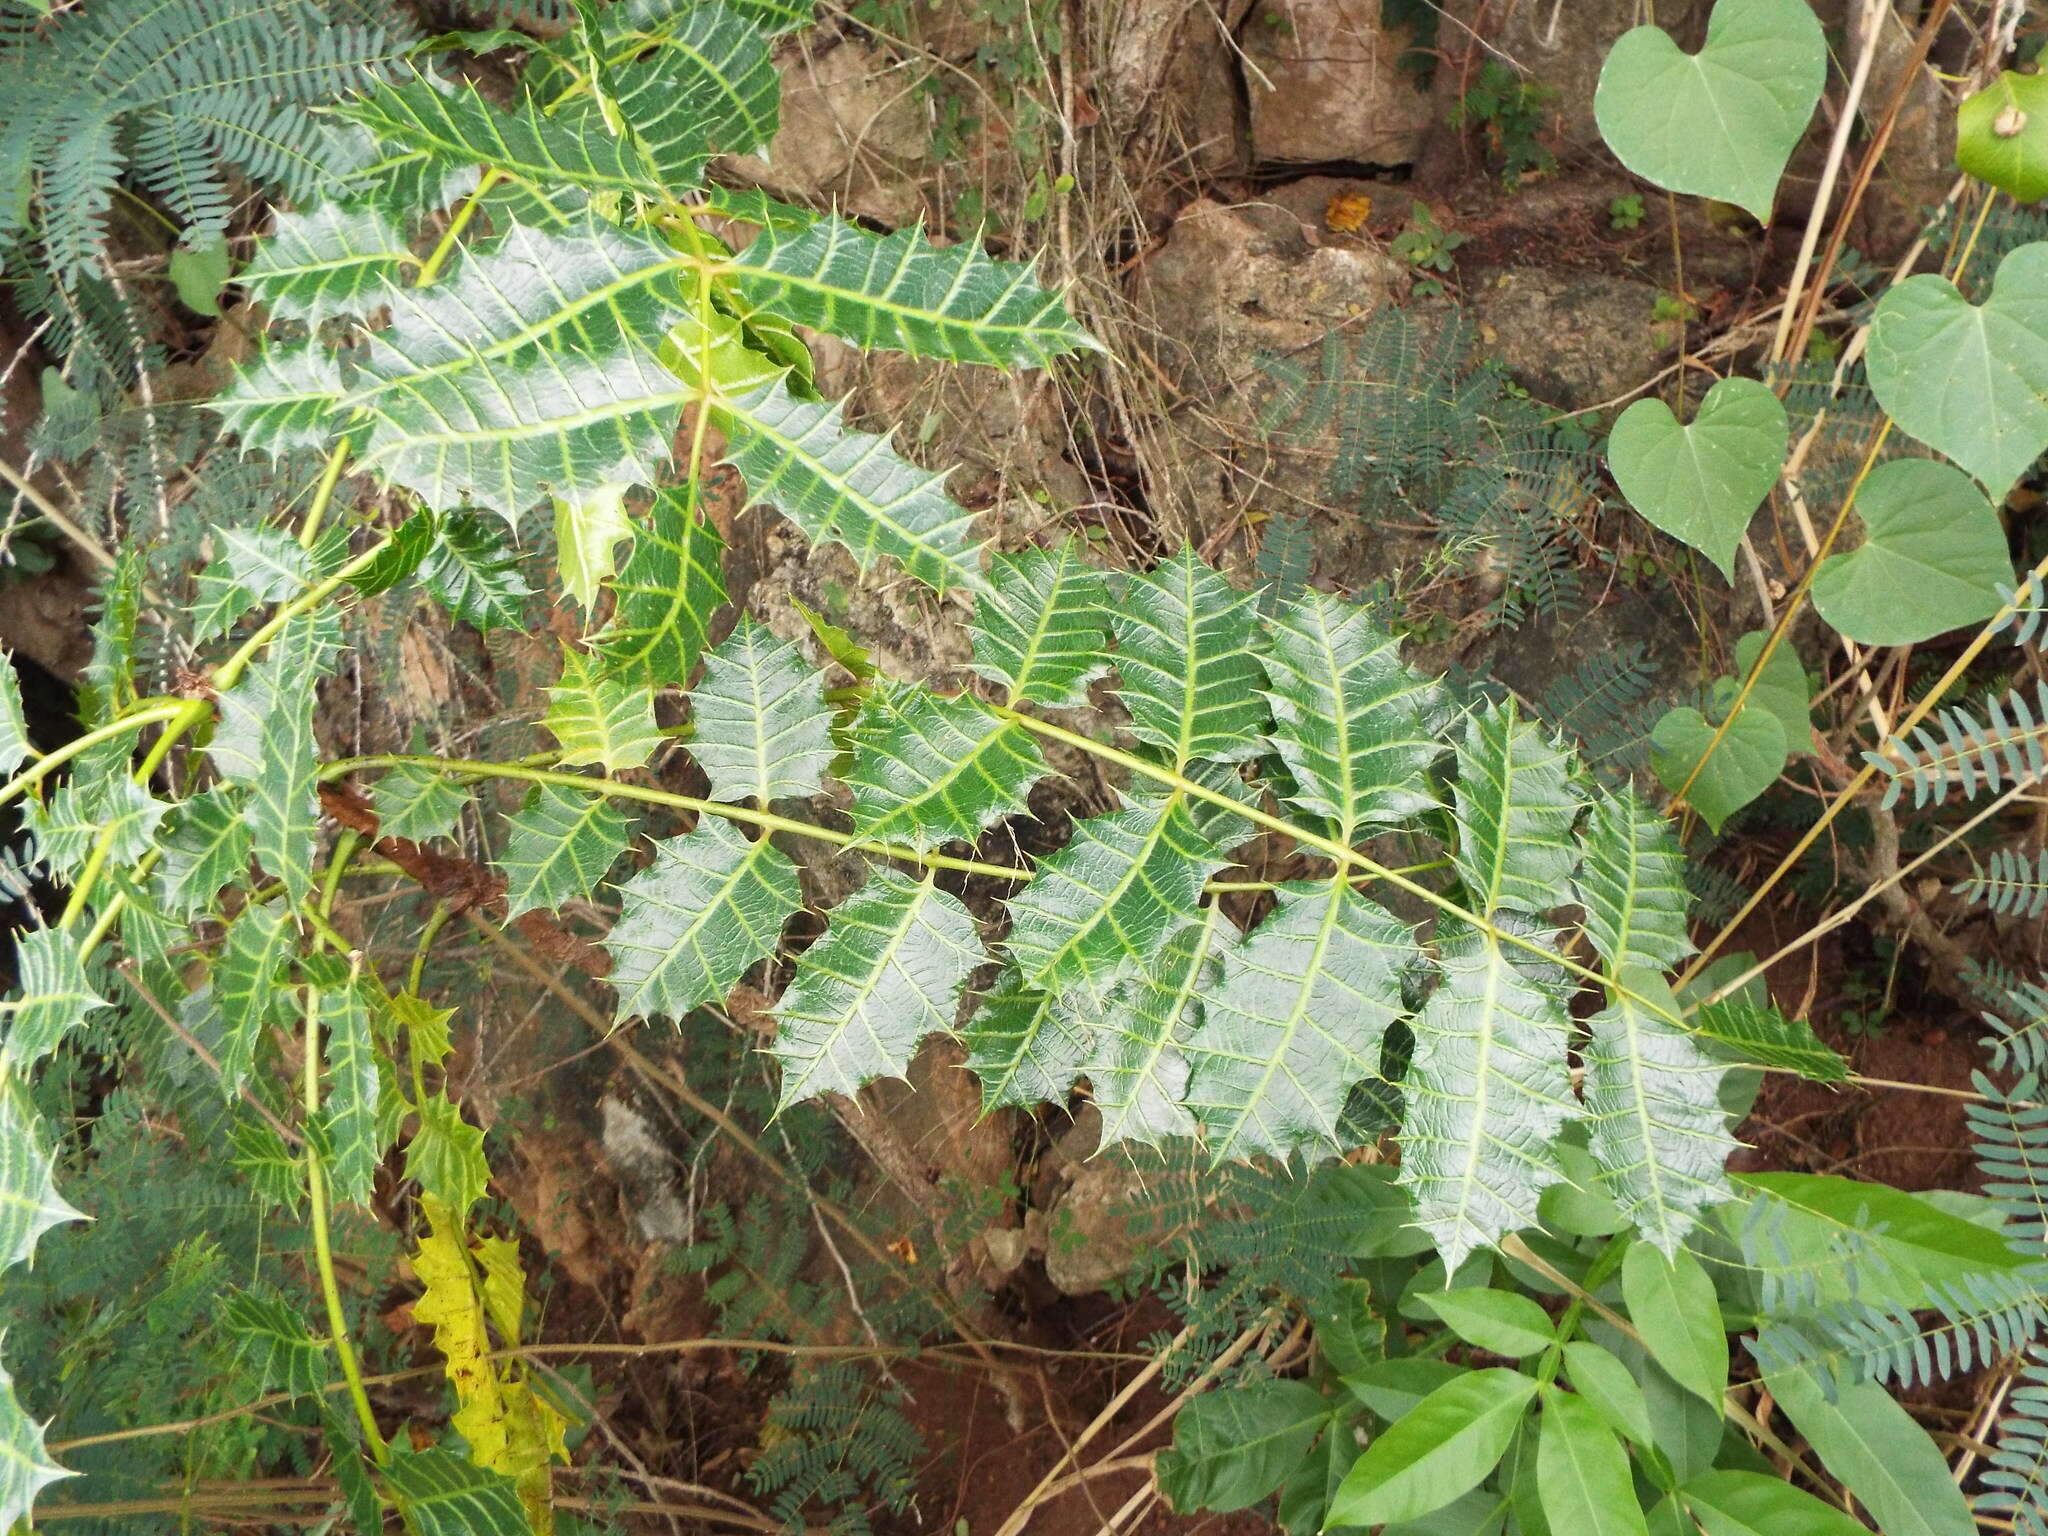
1954,752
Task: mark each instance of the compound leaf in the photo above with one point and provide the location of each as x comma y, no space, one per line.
603,721
29,1202
471,573
350,1112
1515,802
560,843
247,983
1632,885
275,1343
53,998
416,803
206,850
337,259
666,595
265,744
1038,629
1189,673
1137,1060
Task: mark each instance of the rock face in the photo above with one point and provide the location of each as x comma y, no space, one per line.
1325,84
1562,43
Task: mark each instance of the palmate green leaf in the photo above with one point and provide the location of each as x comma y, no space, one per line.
666,595
887,973
349,1116
1487,1093
247,986
1515,805
206,850
52,998
560,843
29,1202
416,803
337,259
1654,1113
850,488
763,728
1137,1061
264,743
1025,1047
15,748
275,1343
1632,885
1189,674
1038,629
901,292
471,573
1348,718
711,905
600,721
452,125
930,768
25,1467
441,1493
1112,897
1300,1016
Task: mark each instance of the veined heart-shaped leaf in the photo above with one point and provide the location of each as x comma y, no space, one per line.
1702,483
1741,767
1969,379
1722,122
2002,135
1933,556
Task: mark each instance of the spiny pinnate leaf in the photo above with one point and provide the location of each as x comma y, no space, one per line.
1038,629
930,769
29,1202
901,292
763,728
1348,717
1487,1093
471,573
587,535
446,1155
1025,1047
455,126
600,721
1300,1016
333,260
887,973
560,843
711,905
275,1173
850,488
443,1494
689,80
411,541
53,997
286,399
1516,803
416,803
350,1112
666,595
1112,897
1189,674
532,369
91,808
275,1342
264,743
1762,1036
1632,886
14,743
1654,1112
247,985
25,1467
208,849
1137,1062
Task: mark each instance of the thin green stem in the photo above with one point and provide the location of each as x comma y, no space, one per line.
323,494
615,790
431,269
57,757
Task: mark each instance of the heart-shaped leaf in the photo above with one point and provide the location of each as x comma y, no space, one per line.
1782,688
1744,764
1969,379
1933,557
2002,135
1701,484
1722,122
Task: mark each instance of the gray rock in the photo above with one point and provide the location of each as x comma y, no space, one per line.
1324,81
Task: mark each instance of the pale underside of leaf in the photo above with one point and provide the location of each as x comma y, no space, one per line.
1137,1062
1515,805
763,727
1487,1093
1632,885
